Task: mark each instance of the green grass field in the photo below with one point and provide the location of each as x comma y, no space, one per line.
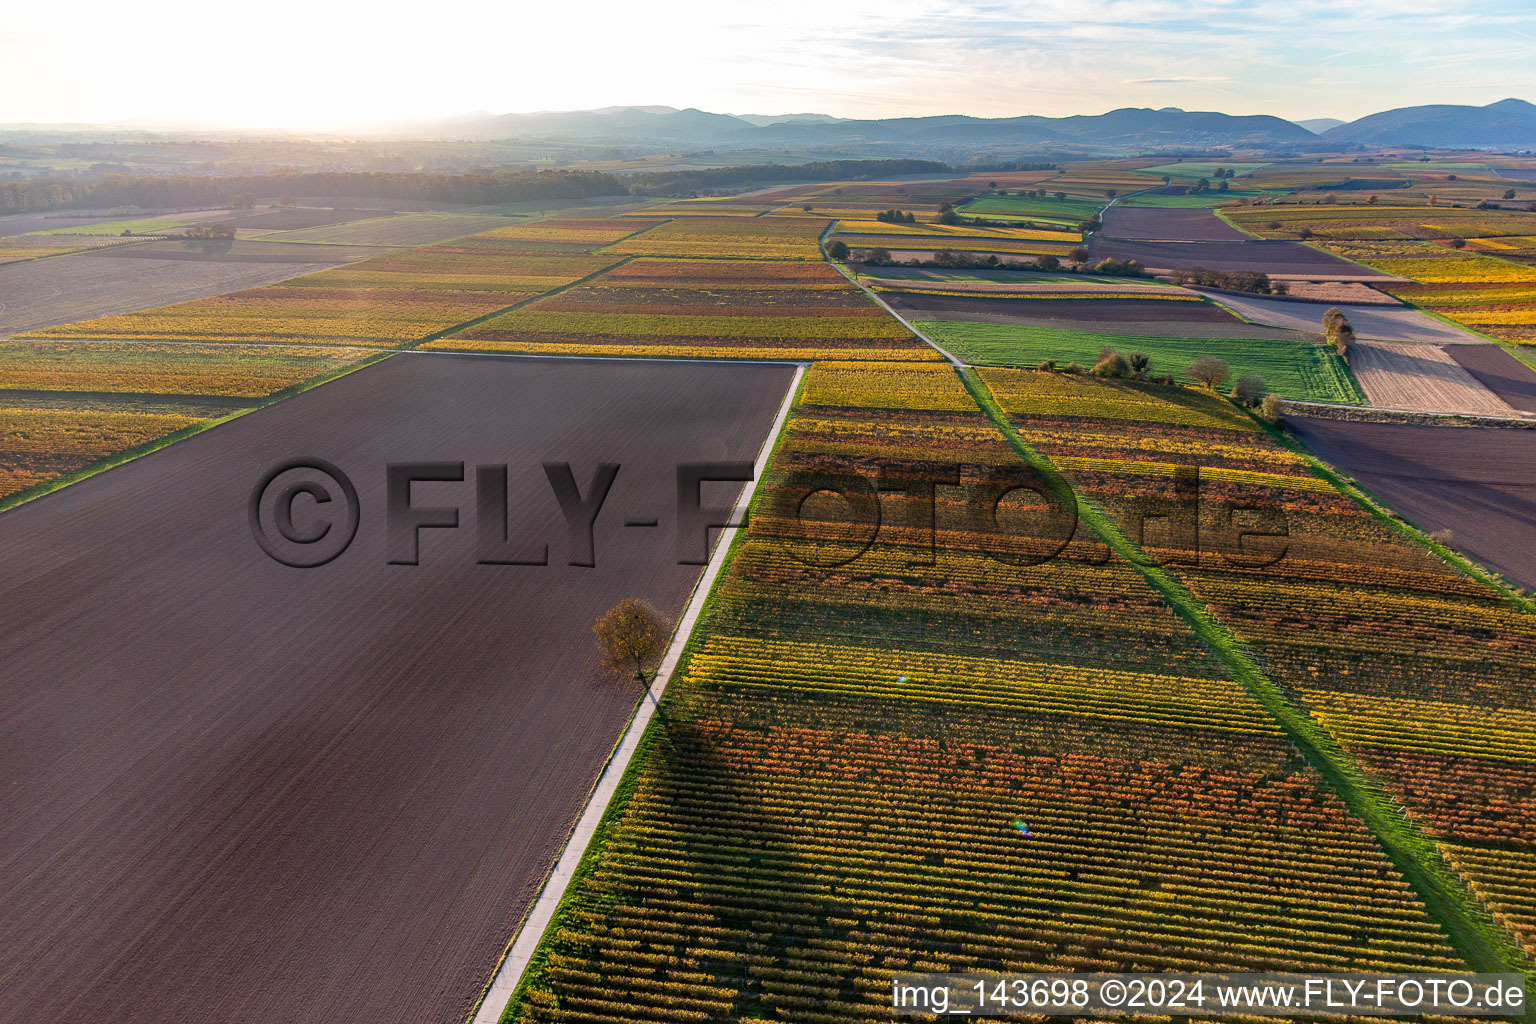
1193,170
1068,211
144,226
1205,200
1296,369
405,229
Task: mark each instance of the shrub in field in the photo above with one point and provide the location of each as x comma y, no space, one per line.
1210,371
1249,390
1120,268
1231,280
1339,332
1112,364
1270,410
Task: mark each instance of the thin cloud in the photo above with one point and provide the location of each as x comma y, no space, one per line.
1178,80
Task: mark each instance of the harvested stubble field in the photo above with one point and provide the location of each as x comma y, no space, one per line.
266,829
1382,323
395,299
45,293
242,250
702,308
301,217
851,752
1422,378
1335,293
402,229
1419,670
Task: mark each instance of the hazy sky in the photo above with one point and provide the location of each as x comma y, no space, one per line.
306,64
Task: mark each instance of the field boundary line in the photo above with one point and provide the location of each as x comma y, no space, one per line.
1510,421
461,353
341,346
116,459
1485,944
821,243
519,954
520,303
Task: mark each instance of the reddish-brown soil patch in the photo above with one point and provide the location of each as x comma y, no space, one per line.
1478,483
1152,223
236,791
1499,372
1268,257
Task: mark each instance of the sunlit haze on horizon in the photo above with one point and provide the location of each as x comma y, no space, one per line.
307,67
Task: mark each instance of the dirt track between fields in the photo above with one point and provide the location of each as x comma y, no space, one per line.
241,792
1381,323
1478,483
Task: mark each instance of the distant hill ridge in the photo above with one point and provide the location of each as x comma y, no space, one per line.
1509,123
1132,126
1504,124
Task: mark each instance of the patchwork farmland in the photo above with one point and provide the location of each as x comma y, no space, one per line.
980,685
286,794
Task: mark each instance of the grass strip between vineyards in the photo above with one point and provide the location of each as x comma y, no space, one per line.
1483,943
